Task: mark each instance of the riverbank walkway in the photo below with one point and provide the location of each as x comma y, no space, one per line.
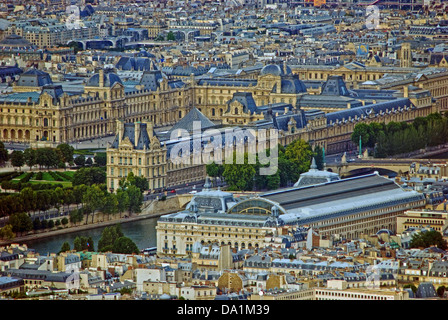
99,221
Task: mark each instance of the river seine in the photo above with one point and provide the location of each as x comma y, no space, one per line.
142,232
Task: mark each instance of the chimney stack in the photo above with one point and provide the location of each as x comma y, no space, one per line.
149,128
101,78
136,132
119,128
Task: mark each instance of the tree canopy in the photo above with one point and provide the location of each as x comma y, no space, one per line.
427,239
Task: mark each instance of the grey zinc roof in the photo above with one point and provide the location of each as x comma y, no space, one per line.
341,197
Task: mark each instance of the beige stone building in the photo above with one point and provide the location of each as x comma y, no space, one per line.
436,220
136,149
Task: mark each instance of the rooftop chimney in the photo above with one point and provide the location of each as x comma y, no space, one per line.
101,78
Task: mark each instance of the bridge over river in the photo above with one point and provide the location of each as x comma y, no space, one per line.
383,166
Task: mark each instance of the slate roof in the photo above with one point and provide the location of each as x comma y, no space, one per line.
228,82
135,64
366,111
38,274
54,91
110,79
246,99
143,140
335,86
187,122
34,78
281,122
426,290
151,79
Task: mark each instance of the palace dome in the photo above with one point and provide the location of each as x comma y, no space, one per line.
293,86
275,70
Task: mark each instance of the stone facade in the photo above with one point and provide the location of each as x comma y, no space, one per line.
136,149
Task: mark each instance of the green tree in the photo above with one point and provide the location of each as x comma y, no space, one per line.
100,159
76,46
3,154
7,233
80,160
213,169
65,152
78,192
123,201
419,121
108,237
59,197
362,130
89,176
47,157
124,245
30,157
319,157
239,176
427,239
68,197
37,224
140,182
65,247
170,36
93,200
77,244
135,199
273,181
110,204
20,222
299,152
83,243
64,221
89,161
29,199
75,217
17,158
375,129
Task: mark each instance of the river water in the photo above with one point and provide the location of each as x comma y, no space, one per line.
142,232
